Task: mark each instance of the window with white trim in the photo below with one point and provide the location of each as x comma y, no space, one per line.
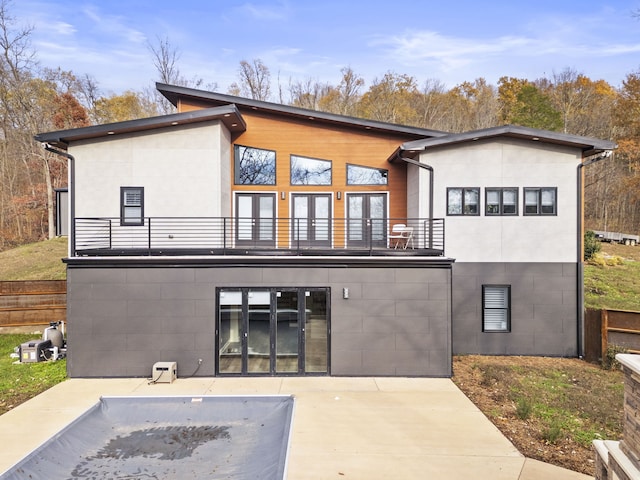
540,201
501,201
463,201
132,205
496,308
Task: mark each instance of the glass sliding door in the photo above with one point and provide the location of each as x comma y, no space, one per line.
287,332
230,332
272,331
259,331
316,342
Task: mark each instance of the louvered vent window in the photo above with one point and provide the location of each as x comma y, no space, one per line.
496,308
132,205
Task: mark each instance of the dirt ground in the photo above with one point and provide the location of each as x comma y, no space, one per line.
494,383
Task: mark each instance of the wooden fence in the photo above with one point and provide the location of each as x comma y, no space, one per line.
28,303
605,328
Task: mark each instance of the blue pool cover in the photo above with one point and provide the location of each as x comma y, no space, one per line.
177,437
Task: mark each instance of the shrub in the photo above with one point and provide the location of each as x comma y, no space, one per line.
614,260
609,361
591,245
523,408
552,433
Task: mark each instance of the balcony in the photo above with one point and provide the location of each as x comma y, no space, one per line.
180,236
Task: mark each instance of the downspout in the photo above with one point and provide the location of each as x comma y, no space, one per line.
431,196
72,199
580,243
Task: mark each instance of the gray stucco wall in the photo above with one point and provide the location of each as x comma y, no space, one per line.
544,313
123,319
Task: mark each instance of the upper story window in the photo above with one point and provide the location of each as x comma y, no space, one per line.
310,171
254,166
501,201
132,205
463,201
358,175
540,201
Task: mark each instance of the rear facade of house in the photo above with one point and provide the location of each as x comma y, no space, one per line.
239,237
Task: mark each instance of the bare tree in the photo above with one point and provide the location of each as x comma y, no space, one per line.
165,60
307,93
255,81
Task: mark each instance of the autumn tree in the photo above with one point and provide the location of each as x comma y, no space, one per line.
389,99
624,208
523,103
126,106
343,99
585,106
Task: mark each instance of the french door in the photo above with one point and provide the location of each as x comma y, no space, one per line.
255,219
272,331
367,219
311,223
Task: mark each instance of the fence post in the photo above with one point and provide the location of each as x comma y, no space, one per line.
604,335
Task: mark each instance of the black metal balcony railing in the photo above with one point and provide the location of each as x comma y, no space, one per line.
232,236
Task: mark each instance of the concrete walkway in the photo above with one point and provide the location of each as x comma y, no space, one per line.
347,428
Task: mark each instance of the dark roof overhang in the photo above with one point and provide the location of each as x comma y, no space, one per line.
175,93
588,146
229,115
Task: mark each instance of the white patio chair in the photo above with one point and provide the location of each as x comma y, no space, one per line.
397,235
407,236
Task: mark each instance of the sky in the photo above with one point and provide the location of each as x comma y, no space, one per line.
298,40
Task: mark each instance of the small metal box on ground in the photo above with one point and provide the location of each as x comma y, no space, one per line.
164,372
34,351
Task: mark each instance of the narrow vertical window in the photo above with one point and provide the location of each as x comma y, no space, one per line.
496,308
132,205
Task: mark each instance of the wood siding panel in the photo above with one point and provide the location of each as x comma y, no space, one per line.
317,140
340,146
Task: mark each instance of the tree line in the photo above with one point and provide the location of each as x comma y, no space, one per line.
35,99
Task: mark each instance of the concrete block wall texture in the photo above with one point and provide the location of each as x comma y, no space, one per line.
544,312
396,321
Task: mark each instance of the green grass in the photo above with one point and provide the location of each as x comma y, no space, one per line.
36,261
613,287
571,399
22,381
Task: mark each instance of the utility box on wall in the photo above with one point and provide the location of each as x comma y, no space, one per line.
164,372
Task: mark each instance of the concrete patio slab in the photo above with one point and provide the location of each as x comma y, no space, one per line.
373,428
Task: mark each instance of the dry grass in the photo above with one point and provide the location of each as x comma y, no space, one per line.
36,261
612,278
550,408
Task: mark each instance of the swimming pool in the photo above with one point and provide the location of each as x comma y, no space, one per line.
195,437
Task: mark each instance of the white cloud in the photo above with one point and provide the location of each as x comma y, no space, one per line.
270,12
113,25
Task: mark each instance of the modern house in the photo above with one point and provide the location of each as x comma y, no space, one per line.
241,237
